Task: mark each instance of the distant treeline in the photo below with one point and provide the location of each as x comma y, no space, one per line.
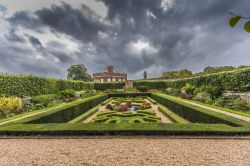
208,70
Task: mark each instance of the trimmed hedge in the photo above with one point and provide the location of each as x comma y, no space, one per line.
172,116
28,85
67,112
106,86
196,114
238,80
84,116
128,94
121,129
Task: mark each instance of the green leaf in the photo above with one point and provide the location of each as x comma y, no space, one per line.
247,27
234,20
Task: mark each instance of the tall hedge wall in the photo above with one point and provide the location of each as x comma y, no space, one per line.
104,86
238,80
27,85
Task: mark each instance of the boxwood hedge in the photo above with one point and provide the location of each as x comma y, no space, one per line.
238,80
121,129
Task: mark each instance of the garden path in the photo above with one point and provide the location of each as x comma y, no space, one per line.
164,119
89,119
216,110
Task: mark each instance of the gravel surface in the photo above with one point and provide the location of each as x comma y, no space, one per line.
125,151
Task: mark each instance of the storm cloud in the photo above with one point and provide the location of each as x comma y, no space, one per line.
134,35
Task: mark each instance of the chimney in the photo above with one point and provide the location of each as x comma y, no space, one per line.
109,69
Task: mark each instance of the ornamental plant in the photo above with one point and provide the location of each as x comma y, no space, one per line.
9,105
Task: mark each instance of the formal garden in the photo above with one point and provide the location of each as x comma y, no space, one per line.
31,105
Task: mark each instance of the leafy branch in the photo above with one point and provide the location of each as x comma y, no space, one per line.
236,18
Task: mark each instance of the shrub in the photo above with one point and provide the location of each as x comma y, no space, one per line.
232,103
189,88
142,88
173,91
215,91
9,105
68,93
32,107
45,100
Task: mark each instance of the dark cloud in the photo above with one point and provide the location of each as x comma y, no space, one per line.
189,34
26,19
34,41
83,24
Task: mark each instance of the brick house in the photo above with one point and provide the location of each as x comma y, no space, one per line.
109,76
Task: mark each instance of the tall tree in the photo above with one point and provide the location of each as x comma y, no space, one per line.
78,72
145,75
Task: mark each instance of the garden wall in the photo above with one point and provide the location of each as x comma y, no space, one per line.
238,80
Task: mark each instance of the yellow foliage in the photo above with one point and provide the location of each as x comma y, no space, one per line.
9,105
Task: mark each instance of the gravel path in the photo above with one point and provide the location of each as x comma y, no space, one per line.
125,151
100,108
164,119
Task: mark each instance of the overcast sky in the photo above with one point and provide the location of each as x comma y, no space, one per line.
45,37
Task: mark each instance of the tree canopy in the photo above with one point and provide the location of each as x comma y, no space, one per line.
78,72
176,74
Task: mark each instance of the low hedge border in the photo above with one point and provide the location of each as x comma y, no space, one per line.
172,116
129,94
72,110
51,129
196,114
84,116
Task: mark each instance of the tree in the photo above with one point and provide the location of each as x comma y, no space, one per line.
176,74
145,75
210,70
236,18
78,72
